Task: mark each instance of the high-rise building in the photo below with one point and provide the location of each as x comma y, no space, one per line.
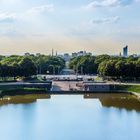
125,51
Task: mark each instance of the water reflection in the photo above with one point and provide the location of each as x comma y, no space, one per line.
127,103
120,101
23,99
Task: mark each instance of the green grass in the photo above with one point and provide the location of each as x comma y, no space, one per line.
23,91
129,88
98,79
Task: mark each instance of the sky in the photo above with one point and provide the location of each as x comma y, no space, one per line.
97,26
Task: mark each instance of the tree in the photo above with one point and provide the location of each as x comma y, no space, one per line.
137,69
120,68
107,68
100,58
27,67
84,64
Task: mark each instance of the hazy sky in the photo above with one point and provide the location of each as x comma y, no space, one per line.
98,26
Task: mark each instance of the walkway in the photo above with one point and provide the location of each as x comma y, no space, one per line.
64,86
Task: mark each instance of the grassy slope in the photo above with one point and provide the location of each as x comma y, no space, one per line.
22,91
130,88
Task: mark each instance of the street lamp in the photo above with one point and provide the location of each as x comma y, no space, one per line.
47,72
58,69
81,70
77,69
53,69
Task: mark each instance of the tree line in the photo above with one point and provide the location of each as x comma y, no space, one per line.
107,66
28,65
104,65
87,64
127,69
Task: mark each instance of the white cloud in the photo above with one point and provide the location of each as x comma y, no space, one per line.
43,8
9,1
108,3
106,20
7,17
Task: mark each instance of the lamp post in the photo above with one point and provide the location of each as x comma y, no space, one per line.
47,72
81,70
58,68
77,69
53,69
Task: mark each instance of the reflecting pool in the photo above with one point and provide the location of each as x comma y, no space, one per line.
70,117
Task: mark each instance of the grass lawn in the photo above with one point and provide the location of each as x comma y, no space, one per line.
130,88
25,89
22,91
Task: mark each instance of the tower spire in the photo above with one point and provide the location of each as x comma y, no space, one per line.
52,52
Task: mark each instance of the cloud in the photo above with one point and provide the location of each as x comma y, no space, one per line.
9,2
108,3
7,17
114,19
43,8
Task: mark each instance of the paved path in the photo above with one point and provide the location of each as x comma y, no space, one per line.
71,77
64,86
124,83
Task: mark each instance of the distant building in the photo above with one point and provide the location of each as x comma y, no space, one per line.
60,55
89,53
66,57
135,55
125,51
74,54
38,54
80,53
27,54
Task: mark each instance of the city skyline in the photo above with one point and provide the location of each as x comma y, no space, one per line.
97,26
